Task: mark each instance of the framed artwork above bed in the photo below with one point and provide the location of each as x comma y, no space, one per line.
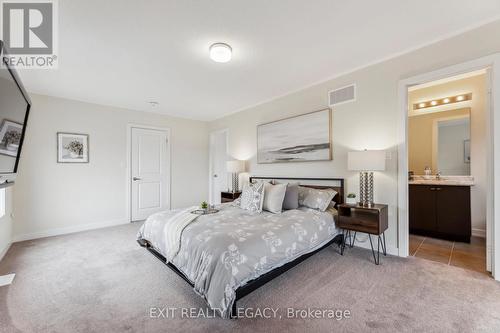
296,139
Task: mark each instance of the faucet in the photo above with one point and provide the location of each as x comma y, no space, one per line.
438,175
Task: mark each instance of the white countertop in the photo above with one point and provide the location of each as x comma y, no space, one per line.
443,180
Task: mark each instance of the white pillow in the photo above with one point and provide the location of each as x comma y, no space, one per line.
316,198
252,197
273,197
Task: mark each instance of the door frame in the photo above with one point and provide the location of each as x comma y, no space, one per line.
492,63
128,169
211,157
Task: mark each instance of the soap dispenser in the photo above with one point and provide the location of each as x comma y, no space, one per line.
427,172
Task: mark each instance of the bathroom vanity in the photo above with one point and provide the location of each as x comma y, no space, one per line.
441,207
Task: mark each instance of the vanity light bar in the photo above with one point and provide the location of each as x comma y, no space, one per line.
442,101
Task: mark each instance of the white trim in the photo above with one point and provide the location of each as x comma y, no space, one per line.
489,173
479,232
210,158
494,166
128,169
449,79
68,230
4,251
493,158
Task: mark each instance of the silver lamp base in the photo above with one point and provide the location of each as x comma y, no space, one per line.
234,182
366,189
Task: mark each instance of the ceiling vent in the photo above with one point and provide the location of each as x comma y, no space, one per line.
342,95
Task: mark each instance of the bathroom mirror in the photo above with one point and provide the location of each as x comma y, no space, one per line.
441,141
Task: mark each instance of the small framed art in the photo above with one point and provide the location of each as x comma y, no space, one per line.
72,148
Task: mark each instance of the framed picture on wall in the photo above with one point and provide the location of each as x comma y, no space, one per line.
297,139
72,148
10,137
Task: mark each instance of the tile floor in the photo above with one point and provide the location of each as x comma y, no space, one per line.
470,256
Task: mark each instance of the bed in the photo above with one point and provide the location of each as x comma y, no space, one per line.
227,255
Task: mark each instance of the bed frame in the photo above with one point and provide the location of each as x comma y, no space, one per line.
263,279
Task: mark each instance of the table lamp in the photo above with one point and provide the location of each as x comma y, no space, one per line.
235,167
366,162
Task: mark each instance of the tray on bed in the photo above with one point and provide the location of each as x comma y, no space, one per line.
204,211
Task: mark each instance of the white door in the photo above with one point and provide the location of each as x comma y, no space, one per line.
150,172
218,158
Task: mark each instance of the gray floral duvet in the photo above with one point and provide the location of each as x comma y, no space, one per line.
221,252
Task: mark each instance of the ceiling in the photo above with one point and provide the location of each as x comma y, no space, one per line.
125,53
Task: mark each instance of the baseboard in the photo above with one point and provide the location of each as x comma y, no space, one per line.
4,251
366,245
68,230
479,232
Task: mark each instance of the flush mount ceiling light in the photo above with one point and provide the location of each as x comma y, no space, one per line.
442,101
220,52
153,104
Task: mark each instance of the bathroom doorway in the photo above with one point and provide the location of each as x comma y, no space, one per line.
447,182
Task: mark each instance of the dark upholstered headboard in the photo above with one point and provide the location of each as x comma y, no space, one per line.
321,183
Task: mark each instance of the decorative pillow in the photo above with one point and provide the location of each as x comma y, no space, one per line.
291,200
315,198
331,209
252,197
273,197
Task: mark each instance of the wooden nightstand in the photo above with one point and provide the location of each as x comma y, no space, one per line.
371,220
229,196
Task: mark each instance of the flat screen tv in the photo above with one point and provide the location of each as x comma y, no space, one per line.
14,110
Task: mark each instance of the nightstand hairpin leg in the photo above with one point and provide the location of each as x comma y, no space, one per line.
384,248
345,234
352,239
375,258
380,242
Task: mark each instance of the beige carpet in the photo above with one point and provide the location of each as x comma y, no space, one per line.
102,281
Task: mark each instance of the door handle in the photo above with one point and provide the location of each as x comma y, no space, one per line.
136,179
215,176
438,189
433,189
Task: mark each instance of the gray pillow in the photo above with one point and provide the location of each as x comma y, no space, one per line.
316,198
291,196
273,197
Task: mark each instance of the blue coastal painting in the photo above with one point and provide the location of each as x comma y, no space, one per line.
297,139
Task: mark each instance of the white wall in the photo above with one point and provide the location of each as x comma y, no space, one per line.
6,224
54,198
371,122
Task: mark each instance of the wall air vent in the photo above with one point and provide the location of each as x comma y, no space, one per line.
342,95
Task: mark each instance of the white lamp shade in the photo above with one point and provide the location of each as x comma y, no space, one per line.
235,166
367,160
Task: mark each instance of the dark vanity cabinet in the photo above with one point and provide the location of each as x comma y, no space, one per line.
441,211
